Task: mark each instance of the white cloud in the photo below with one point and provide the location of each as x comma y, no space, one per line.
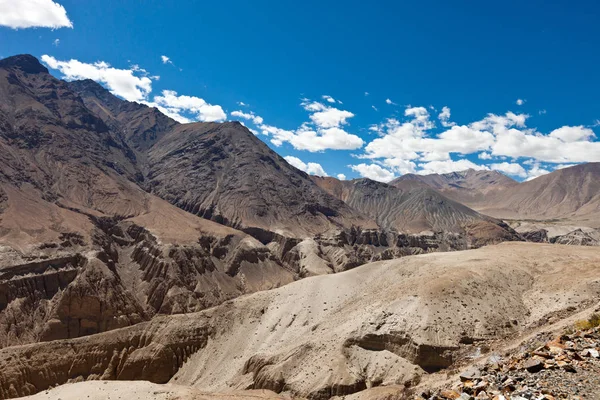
374,108
513,169
535,171
374,172
561,166
444,167
329,99
249,116
341,177
166,60
310,168
121,82
572,134
56,42
420,117
520,102
400,165
409,141
242,104
306,138
388,101
542,112
326,117
17,14
323,132
495,136
444,117
134,84
176,105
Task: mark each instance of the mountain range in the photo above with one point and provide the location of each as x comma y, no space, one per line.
113,215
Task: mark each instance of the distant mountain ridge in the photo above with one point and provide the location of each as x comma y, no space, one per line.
469,187
571,193
416,209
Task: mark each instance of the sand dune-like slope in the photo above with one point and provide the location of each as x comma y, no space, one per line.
143,390
384,323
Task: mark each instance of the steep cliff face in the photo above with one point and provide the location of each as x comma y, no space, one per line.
130,278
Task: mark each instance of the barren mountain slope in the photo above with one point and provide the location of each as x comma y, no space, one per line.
570,193
411,208
224,173
141,126
469,187
51,143
220,171
142,390
379,324
83,248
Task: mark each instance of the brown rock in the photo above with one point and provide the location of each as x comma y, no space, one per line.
533,365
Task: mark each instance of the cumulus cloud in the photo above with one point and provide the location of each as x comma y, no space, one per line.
341,177
535,171
373,171
17,14
513,169
134,84
167,60
444,117
330,99
324,131
520,102
326,117
310,168
400,165
388,101
561,166
307,138
176,106
572,134
447,166
121,82
249,116
402,142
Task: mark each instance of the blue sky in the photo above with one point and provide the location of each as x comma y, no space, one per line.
477,59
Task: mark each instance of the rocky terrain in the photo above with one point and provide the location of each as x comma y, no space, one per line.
565,367
106,209
135,248
390,323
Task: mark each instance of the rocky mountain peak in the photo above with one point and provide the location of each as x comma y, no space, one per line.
25,62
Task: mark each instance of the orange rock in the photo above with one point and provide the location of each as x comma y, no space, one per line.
449,394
